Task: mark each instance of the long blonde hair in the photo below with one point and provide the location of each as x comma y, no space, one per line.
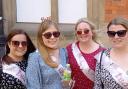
40,44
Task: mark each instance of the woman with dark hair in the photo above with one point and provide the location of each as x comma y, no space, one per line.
46,65
112,64
14,62
81,54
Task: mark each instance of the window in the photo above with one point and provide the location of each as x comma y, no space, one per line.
32,10
71,10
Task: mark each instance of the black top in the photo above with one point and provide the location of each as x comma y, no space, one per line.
8,80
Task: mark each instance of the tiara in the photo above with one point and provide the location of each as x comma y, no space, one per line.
45,18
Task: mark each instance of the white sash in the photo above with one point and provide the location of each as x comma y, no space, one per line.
81,61
15,71
117,73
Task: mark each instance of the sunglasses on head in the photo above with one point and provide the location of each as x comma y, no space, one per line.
120,33
48,35
80,32
17,43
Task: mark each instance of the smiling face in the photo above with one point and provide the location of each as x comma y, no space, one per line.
120,35
51,37
18,45
83,32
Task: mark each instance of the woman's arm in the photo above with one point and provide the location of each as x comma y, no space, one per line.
32,73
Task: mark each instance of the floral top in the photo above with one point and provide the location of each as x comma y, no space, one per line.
81,80
11,74
108,74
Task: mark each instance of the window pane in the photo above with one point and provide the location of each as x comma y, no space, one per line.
71,10
32,10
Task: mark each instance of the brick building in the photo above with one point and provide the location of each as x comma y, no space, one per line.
115,8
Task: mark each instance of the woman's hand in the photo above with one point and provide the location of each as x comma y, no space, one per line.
71,83
68,84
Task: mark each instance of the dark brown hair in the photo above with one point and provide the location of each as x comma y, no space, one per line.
30,46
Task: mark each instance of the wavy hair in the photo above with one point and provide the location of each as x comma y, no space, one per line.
45,24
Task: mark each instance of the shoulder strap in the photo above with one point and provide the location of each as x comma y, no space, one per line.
101,58
102,85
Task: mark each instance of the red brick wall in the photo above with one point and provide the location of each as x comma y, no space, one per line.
114,8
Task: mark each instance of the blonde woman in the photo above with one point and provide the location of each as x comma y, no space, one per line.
46,65
81,55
